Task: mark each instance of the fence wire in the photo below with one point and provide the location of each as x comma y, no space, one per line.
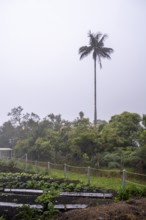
69,171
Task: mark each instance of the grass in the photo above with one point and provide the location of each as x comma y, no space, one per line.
113,183
109,180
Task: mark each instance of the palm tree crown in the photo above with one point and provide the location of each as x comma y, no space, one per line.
96,45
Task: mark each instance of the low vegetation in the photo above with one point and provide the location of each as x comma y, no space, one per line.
107,148
52,186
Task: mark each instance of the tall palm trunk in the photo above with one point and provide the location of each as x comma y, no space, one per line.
95,105
96,45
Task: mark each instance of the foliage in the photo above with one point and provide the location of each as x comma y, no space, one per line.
122,130
25,213
47,199
111,158
119,143
125,194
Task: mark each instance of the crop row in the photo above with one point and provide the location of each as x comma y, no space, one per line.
35,181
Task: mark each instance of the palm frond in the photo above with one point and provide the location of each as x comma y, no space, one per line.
94,38
96,44
105,52
99,61
98,36
104,36
84,51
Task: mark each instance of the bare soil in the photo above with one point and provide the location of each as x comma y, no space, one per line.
134,209
98,209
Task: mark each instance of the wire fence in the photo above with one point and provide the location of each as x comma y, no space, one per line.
127,178
136,179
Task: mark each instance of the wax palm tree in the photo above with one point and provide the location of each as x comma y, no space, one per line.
96,45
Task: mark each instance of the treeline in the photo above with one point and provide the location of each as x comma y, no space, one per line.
119,143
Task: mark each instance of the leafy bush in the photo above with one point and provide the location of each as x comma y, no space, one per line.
108,157
125,194
25,213
79,187
122,195
47,199
113,165
70,187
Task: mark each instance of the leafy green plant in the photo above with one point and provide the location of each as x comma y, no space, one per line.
92,188
55,185
70,187
134,191
25,213
47,199
30,184
63,186
78,187
2,218
122,195
125,194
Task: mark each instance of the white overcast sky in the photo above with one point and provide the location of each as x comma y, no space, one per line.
40,68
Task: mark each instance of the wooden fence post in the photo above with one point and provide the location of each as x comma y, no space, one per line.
36,163
26,162
65,170
124,179
88,175
49,167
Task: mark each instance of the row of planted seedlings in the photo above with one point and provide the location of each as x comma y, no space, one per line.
44,209
48,179
37,181
84,174
51,189
107,179
45,183
100,179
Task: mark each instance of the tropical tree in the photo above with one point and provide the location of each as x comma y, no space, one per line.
16,116
96,45
123,130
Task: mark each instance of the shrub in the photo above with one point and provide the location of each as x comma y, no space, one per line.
113,165
47,199
125,194
25,213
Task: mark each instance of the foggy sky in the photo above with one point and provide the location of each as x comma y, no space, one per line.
40,68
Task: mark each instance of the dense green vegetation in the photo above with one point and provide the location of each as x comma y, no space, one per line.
52,187
37,178
119,143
